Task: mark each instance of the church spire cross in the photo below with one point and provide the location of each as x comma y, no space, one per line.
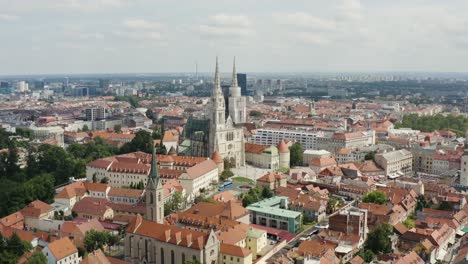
234,74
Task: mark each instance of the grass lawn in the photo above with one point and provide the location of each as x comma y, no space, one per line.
241,180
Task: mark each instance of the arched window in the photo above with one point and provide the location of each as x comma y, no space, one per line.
162,256
159,197
151,198
183,257
172,257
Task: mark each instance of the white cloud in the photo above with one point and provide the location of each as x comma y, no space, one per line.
230,20
304,20
226,27
350,9
8,17
92,5
313,38
138,35
141,24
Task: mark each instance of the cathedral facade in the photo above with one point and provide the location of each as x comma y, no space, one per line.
224,136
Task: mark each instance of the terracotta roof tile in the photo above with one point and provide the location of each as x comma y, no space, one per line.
234,250
62,248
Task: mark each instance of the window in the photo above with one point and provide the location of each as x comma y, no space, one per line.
162,256
172,257
183,257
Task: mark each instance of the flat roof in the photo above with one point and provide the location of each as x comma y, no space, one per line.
266,207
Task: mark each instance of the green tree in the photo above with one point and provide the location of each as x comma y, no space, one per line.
97,240
37,258
255,113
377,197
85,128
118,128
296,154
149,114
174,204
409,223
226,174
104,180
142,141
367,255
267,192
333,204
370,156
161,149
16,246
445,206
378,240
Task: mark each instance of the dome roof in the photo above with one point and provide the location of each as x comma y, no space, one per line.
216,157
282,147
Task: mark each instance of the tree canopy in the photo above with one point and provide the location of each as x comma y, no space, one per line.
457,124
11,249
98,240
377,197
378,240
296,154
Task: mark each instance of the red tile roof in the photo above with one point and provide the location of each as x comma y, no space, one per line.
233,250
36,208
168,233
62,248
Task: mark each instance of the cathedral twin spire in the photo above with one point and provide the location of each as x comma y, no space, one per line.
217,80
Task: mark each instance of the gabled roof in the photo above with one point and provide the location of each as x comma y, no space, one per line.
201,169
234,250
271,177
36,208
62,248
168,233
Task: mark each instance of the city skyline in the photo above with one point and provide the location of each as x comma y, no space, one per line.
120,36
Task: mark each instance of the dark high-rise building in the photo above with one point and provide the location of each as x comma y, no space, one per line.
242,81
104,84
4,85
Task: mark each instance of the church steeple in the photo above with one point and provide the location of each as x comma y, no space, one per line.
154,173
154,193
217,82
234,74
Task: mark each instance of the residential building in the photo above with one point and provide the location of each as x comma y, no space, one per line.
268,137
272,180
93,114
310,154
396,163
61,251
232,254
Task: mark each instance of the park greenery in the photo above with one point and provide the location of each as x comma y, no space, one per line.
12,248
46,166
378,240
377,197
457,124
296,154
256,194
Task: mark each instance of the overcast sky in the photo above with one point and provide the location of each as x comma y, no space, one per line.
126,36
